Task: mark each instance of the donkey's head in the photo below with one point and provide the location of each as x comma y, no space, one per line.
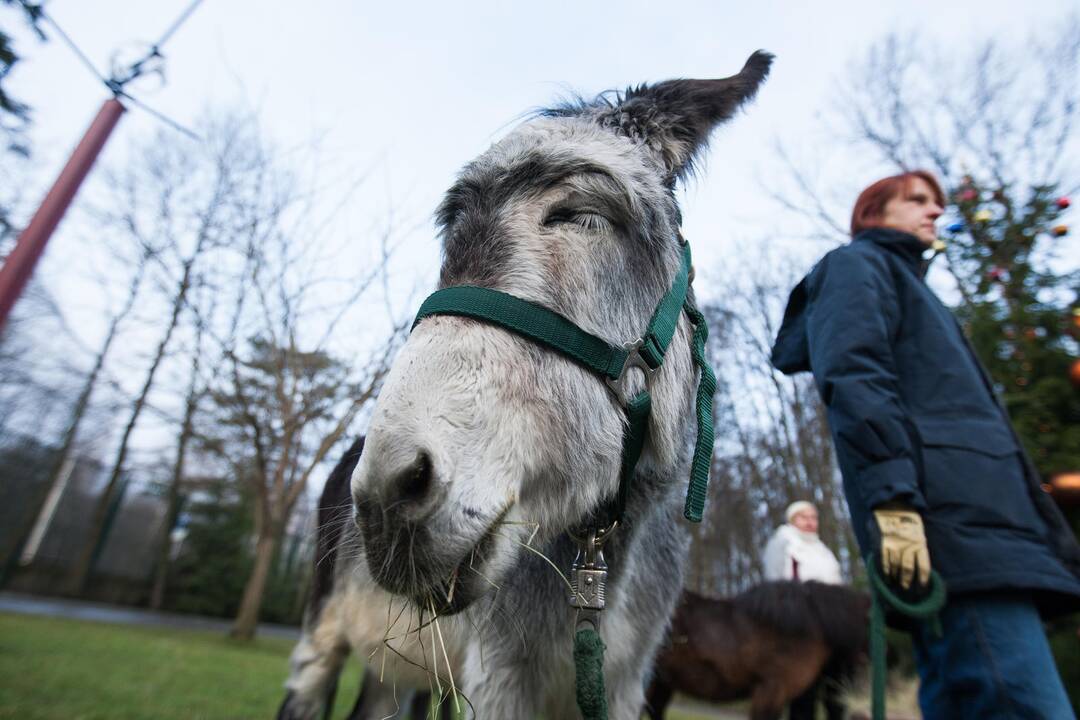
480,436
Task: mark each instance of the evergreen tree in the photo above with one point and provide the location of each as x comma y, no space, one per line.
1022,316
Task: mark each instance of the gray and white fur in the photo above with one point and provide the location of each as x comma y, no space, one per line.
346,614
485,448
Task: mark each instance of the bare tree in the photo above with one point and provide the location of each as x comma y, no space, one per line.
773,443
62,464
187,202
287,399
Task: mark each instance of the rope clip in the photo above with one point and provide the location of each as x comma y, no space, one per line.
588,574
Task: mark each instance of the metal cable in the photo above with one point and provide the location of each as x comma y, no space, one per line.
116,85
177,23
39,12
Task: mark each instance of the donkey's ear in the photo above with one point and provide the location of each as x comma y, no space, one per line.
674,118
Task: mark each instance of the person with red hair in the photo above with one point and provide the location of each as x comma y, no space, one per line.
933,472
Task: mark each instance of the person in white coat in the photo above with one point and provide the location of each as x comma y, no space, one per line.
795,552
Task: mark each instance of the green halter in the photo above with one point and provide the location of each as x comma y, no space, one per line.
609,362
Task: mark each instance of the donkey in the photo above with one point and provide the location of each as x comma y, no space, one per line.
486,451
348,613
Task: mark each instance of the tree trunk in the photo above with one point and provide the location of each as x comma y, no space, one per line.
247,619
98,533
172,512
59,475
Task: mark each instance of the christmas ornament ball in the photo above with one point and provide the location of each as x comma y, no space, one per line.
984,216
1059,230
1074,373
1063,202
955,227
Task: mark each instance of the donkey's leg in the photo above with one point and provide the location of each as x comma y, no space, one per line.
497,686
657,698
421,703
312,681
380,700
314,666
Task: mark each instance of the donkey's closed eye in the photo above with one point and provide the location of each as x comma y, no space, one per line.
585,219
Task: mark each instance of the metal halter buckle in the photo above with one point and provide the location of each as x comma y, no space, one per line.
633,360
588,575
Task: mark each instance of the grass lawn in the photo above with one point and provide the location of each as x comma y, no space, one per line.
65,669
54,669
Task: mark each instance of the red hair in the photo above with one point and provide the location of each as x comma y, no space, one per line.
871,203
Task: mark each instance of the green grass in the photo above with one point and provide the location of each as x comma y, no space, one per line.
71,670
54,669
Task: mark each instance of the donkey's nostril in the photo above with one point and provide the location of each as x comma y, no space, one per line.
415,483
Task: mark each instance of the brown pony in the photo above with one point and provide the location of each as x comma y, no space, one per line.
771,644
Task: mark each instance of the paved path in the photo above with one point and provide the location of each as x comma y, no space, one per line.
122,615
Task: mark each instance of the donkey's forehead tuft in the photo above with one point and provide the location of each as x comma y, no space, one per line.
544,151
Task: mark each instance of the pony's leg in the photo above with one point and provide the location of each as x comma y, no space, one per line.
803,706
314,666
767,702
657,698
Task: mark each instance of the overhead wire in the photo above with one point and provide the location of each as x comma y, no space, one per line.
116,85
177,23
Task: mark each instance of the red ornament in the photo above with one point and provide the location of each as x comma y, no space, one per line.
1074,373
968,194
996,274
1063,202
1059,230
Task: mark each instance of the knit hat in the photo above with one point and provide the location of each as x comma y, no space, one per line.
797,507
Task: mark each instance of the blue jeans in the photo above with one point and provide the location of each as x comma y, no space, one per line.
992,661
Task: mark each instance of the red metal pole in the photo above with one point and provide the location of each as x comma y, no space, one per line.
20,263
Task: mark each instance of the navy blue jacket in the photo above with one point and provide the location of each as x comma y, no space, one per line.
914,418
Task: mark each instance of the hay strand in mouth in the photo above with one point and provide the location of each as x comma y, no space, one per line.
446,657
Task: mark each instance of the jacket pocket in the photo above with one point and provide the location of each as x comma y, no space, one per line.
973,475
987,437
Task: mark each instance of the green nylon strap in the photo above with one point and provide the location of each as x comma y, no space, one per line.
529,319
706,435
558,333
634,434
666,316
589,675
880,595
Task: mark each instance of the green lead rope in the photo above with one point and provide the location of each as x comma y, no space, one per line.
589,669
881,594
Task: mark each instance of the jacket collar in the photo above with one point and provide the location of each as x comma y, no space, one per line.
908,247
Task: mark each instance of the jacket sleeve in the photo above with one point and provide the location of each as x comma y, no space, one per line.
777,561
852,316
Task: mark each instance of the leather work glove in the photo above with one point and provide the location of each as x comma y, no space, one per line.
903,545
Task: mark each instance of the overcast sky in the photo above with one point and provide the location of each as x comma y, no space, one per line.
408,92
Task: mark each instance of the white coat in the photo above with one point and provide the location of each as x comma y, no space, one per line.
792,554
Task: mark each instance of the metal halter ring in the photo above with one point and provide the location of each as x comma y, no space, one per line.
633,360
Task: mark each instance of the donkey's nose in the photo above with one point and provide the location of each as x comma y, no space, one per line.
411,490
